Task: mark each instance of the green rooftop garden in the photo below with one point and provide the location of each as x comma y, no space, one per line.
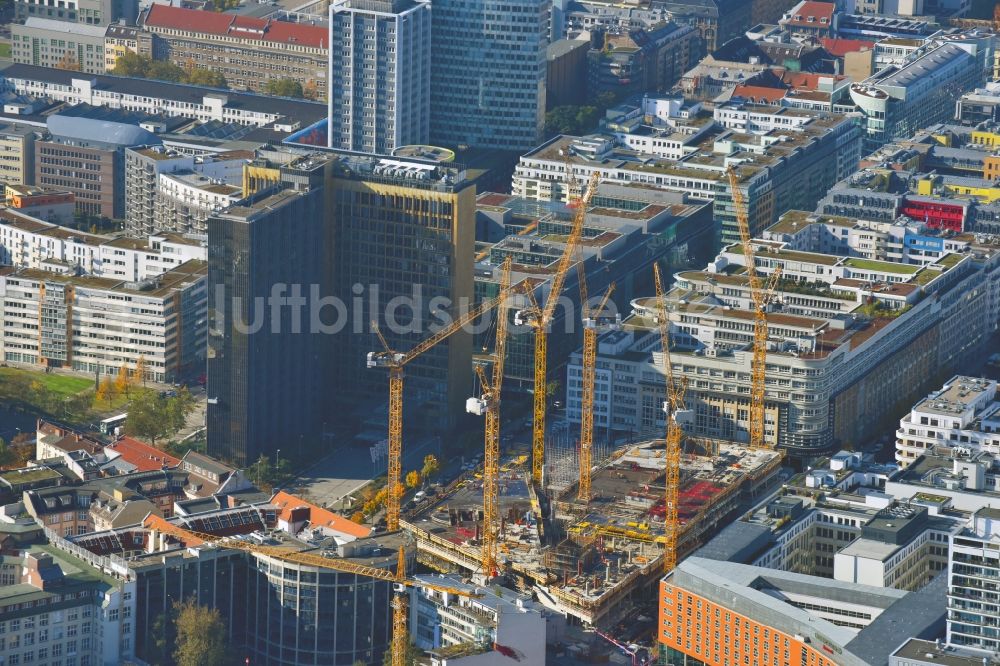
28,475
881,266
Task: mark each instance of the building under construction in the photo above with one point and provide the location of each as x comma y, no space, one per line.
586,559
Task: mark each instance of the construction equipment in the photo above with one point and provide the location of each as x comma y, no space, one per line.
540,319
489,404
677,416
761,296
396,361
595,322
400,631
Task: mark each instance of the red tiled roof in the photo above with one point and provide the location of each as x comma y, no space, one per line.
840,47
815,10
242,27
145,457
318,517
759,94
807,80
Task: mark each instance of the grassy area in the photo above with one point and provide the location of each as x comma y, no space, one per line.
5,50
61,385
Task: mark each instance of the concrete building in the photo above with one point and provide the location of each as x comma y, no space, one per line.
56,43
566,72
964,414
380,81
810,20
979,105
54,206
159,97
17,153
460,631
643,60
256,50
275,238
836,371
900,100
62,604
679,146
85,12
768,616
96,325
717,21
488,69
121,38
916,652
971,602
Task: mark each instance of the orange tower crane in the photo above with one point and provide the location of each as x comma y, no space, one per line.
396,362
540,318
595,322
400,631
677,416
489,404
761,296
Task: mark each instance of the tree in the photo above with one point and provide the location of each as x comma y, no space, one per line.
571,119
161,70
131,64
200,636
283,88
412,654
106,391
205,77
69,62
310,90
122,381
431,466
139,372
163,636
153,415
413,479
7,455
358,517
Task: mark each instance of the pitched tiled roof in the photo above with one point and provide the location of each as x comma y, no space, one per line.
318,517
759,94
241,27
145,457
840,47
817,11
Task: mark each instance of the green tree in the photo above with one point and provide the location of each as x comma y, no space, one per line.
412,654
200,636
572,119
205,77
131,64
7,456
163,636
283,88
162,70
153,416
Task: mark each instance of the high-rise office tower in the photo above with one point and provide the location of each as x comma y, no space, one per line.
380,60
403,248
488,67
266,367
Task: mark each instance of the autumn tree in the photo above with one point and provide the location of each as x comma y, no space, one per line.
358,517
413,479
153,415
205,77
139,372
68,62
123,380
310,90
431,466
283,88
7,456
106,390
200,636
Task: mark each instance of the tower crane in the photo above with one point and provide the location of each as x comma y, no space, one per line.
489,404
396,362
677,416
400,631
761,296
540,318
595,322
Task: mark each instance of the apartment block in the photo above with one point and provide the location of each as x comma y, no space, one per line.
488,70
643,60
17,153
973,602
96,325
852,339
679,146
964,415
717,21
380,81
122,38
57,43
84,12
248,51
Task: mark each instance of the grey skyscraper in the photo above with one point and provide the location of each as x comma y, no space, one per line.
265,368
488,73
380,59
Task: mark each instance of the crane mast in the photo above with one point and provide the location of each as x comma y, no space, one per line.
594,323
489,404
540,318
676,414
761,295
396,361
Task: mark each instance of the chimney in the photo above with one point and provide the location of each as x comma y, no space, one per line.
40,571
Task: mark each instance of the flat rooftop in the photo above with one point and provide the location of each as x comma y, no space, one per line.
956,397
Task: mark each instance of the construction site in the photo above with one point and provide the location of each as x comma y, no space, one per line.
586,558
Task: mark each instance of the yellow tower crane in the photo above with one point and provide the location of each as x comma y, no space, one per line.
400,631
540,318
595,322
761,296
396,361
677,416
489,404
